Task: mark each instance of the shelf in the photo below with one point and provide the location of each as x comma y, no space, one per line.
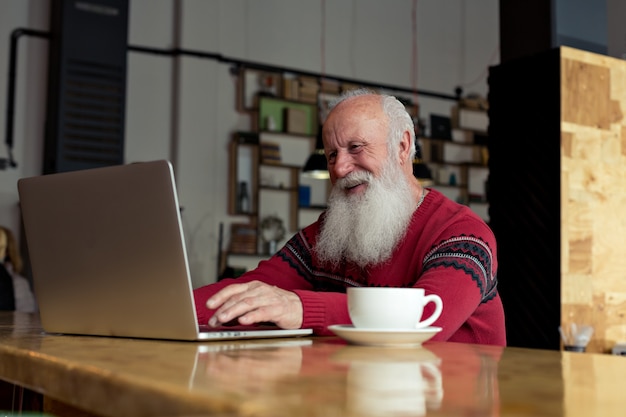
279,133
251,83
444,151
278,115
276,165
255,254
465,157
441,184
467,164
312,207
285,150
274,188
270,163
244,154
448,141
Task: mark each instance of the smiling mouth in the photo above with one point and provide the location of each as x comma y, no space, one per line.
350,187
354,180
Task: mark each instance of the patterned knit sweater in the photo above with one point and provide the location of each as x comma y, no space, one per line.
448,250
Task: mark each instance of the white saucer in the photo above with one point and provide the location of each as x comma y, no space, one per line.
384,337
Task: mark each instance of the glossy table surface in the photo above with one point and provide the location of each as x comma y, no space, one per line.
306,377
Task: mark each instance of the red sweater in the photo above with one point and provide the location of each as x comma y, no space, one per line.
448,250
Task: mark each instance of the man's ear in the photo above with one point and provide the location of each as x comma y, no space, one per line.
405,148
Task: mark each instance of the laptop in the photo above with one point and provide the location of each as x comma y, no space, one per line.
108,256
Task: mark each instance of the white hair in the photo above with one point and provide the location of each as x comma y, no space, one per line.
399,119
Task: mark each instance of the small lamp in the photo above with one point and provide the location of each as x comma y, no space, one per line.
316,166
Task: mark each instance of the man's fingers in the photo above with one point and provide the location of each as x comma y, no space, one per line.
255,302
224,294
233,301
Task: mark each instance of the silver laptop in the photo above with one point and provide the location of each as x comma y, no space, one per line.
108,255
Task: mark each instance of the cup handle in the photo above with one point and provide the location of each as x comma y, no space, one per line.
432,298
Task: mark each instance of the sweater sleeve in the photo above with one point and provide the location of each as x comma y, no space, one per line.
322,309
277,270
461,267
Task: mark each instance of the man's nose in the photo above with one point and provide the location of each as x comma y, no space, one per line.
343,165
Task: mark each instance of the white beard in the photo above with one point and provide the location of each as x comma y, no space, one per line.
365,229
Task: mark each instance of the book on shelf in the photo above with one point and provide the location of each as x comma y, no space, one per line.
309,87
330,86
306,80
349,87
243,238
295,120
291,88
270,153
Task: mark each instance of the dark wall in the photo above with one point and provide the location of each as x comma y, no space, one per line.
524,195
528,27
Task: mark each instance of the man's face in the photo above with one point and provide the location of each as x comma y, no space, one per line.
355,139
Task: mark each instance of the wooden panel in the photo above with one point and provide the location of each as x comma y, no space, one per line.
593,220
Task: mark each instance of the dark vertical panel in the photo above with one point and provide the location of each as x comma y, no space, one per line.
526,27
524,194
87,84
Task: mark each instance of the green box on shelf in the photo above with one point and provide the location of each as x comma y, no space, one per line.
274,108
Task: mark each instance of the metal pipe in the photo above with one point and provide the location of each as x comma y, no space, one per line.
17,33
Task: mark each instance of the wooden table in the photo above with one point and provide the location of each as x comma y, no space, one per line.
302,377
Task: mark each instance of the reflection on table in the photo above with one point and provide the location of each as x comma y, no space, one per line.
302,377
391,381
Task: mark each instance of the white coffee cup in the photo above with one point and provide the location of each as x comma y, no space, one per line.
391,307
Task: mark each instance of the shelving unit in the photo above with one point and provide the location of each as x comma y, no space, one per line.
274,184
459,167
270,160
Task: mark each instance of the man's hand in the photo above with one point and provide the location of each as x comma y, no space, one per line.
255,302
